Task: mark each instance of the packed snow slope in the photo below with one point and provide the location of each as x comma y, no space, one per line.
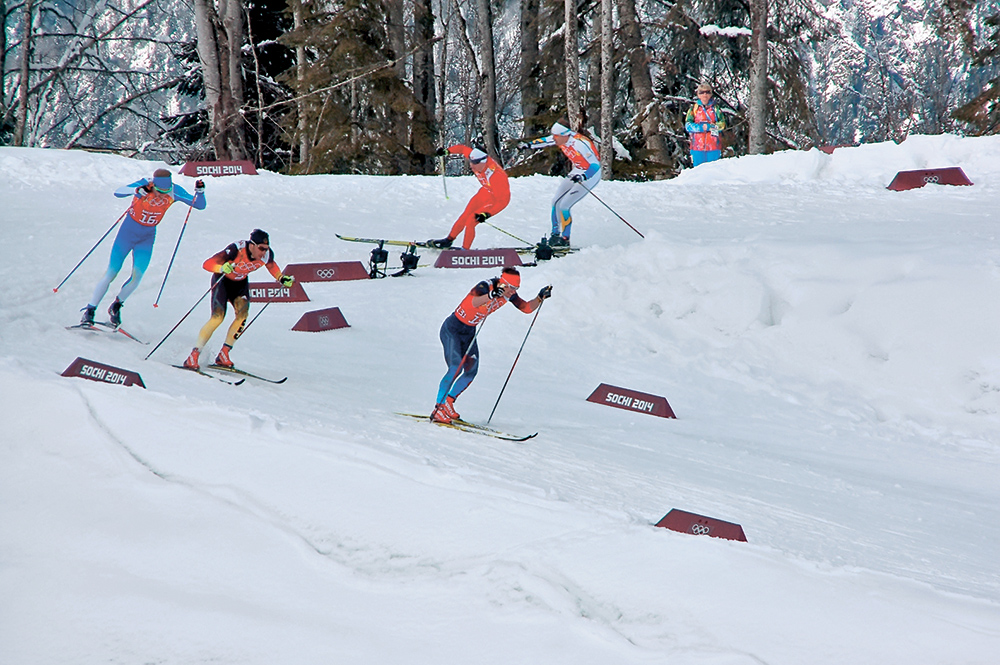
830,347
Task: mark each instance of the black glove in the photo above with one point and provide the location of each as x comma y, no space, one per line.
546,292
482,217
199,186
440,152
495,291
145,189
576,177
523,145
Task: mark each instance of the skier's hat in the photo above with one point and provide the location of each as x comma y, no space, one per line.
477,156
161,180
560,129
511,276
259,237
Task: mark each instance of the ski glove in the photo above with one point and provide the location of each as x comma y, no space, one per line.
523,145
440,152
546,292
286,281
227,268
199,186
482,217
495,290
576,177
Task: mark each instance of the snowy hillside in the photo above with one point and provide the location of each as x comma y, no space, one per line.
831,349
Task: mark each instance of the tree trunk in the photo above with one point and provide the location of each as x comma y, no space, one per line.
607,86
300,73
572,66
489,78
22,95
757,112
422,136
529,74
220,44
642,81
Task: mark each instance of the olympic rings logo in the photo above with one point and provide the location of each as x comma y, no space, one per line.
324,322
931,178
325,273
699,529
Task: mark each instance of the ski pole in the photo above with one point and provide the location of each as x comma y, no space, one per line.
615,213
508,233
214,282
56,290
171,264
239,333
444,179
515,362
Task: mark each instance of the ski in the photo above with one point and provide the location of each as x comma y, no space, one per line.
233,370
472,428
211,376
375,241
556,251
102,327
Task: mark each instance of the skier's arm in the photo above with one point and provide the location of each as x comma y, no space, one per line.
198,201
133,189
216,262
459,149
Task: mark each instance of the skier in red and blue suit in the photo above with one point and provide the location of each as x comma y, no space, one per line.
582,153
705,123
458,335
492,197
150,201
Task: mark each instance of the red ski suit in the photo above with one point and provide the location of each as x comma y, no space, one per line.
492,197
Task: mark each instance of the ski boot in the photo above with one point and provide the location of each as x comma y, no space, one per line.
438,415
449,408
443,243
222,360
192,360
88,315
556,240
115,312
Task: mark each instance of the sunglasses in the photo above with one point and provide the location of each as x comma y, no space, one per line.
705,92
262,248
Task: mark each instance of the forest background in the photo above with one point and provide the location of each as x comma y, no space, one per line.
375,86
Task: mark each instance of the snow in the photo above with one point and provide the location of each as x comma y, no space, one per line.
830,348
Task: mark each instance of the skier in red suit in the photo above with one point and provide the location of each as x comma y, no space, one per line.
492,197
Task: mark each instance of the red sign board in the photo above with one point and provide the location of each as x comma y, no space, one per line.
478,258
202,169
631,400
94,371
337,271
319,320
274,292
699,525
952,175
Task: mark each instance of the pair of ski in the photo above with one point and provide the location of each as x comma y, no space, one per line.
556,251
230,370
472,428
106,327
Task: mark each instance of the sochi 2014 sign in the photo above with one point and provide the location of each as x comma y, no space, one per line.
631,400
330,271
478,258
95,371
274,292
203,169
